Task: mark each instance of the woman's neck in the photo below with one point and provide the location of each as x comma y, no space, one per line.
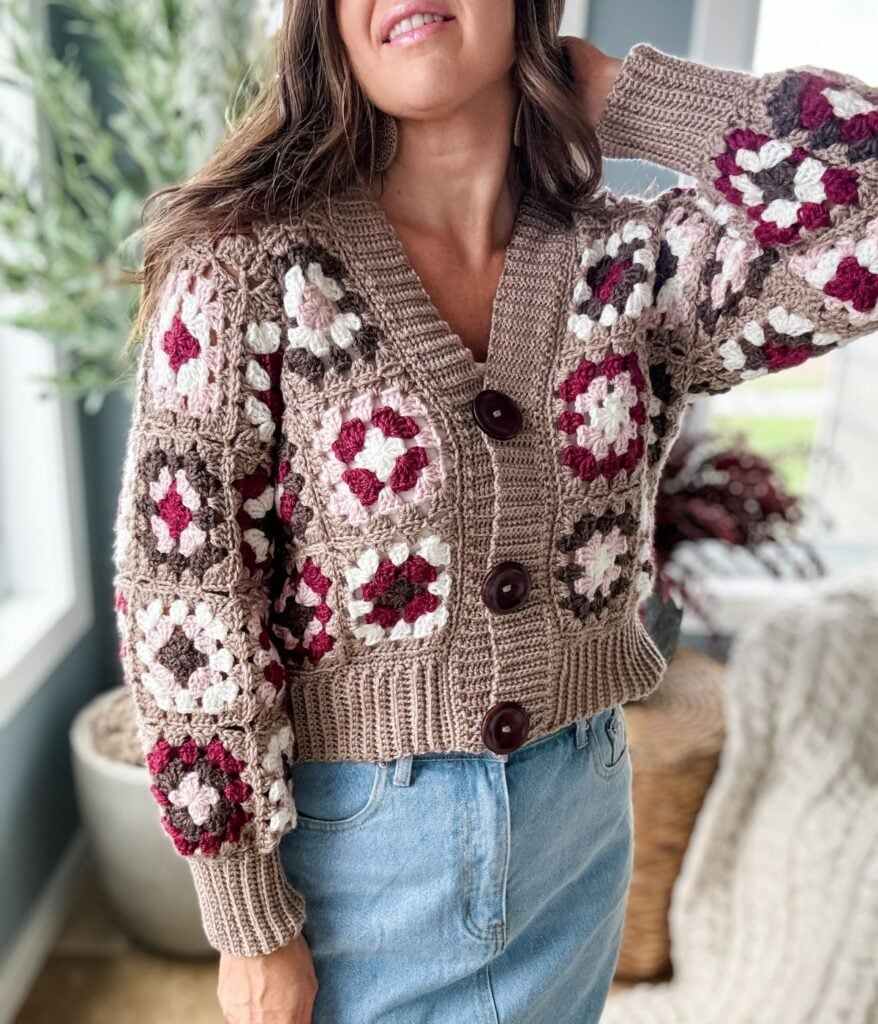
450,177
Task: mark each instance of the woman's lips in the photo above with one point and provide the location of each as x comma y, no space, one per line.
415,35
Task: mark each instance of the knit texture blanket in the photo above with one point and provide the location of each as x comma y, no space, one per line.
774,917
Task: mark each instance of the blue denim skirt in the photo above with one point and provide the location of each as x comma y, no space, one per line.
450,887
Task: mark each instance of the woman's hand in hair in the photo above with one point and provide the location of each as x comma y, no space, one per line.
278,988
594,74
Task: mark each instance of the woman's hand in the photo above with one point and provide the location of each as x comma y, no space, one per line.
278,988
594,73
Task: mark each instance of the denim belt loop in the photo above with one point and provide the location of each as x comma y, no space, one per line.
402,772
582,727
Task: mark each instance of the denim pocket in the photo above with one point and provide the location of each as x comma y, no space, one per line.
608,740
335,795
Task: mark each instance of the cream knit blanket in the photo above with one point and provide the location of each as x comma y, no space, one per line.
774,918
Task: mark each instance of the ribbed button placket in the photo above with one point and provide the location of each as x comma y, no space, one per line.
503,478
524,329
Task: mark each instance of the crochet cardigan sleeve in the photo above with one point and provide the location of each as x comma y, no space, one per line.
197,540
772,257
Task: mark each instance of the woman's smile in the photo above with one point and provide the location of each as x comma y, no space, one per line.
415,34
411,23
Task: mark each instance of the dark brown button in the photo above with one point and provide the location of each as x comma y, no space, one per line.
506,587
505,727
497,414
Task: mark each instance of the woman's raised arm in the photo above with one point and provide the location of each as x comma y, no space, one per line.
772,257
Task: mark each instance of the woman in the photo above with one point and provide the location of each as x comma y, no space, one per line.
409,381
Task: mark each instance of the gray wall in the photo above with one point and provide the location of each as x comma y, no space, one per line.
37,803
614,26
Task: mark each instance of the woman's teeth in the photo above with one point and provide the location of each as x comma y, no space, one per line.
414,22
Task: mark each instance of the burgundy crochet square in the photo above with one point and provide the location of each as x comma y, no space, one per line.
380,456
829,111
604,416
188,352
399,591
784,188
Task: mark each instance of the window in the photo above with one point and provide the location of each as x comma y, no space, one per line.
816,422
575,18
45,594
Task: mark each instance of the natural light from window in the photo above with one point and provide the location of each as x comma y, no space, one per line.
790,417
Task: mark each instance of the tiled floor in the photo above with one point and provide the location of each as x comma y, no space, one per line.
96,975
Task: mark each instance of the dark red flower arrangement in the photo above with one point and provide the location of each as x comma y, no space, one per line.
715,489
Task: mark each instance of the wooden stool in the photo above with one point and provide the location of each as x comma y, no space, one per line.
675,737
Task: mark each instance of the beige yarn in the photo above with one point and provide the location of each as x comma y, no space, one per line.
309,507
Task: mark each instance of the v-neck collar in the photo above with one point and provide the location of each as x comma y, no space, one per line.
538,251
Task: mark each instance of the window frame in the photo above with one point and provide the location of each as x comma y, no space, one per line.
47,603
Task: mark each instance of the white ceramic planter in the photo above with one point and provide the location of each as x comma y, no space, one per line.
147,883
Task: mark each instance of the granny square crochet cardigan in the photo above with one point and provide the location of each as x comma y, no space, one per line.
310,505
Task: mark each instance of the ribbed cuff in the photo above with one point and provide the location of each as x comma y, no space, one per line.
669,110
248,908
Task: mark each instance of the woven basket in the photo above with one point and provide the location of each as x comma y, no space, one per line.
675,737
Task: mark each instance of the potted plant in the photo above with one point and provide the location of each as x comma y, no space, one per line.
136,101
712,488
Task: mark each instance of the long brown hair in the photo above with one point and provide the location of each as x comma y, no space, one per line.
311,130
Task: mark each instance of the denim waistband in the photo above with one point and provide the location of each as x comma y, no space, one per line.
402,766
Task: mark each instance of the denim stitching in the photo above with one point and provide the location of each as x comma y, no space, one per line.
495,933
402,772
374,800
492,1002
602,720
